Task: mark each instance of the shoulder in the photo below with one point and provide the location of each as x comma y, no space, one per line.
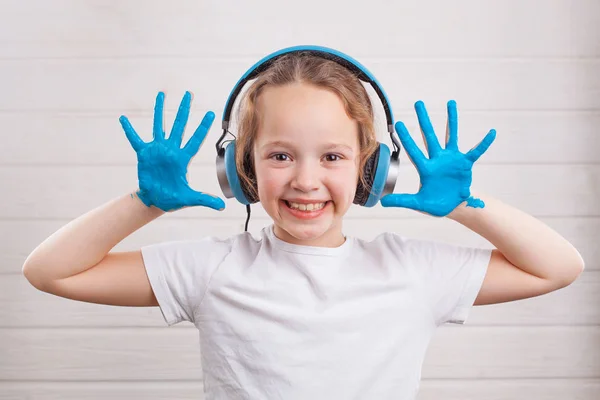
239,243
385,241
208,246
403,245
244,243
197,244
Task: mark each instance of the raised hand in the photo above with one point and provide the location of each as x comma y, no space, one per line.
446,175
162,164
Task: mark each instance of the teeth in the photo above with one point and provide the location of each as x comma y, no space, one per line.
306,207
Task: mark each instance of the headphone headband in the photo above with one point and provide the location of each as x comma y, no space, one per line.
361,72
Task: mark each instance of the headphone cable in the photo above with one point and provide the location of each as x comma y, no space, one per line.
248,218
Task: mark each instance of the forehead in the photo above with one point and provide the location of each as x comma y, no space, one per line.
304,113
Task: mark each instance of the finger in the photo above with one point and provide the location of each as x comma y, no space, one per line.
433,146
158,129
132,136
482,147
181,119
208,200
452,127
199,135
416,155
401,200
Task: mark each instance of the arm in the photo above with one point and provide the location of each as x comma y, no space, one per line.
63,263
74,262
530,258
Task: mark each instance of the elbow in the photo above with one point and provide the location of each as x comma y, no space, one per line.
574,265
573,273
29,272
579,266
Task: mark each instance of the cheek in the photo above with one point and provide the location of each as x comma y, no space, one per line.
269,182
344,184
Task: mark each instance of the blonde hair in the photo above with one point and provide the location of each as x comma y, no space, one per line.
303,67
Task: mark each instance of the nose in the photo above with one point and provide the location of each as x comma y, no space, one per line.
306,177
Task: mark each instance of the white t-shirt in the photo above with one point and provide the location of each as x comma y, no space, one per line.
284,321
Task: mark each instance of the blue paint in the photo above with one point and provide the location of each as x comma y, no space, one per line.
475,203
162,163
446,175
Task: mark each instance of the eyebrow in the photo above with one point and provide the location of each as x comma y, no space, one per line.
329,146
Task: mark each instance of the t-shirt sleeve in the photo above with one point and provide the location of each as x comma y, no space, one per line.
179,273
449,275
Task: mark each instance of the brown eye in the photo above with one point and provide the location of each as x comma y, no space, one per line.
331,157
280,157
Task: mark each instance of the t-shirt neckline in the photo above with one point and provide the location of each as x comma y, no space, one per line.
311,250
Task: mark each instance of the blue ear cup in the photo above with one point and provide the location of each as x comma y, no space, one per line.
232,175
376,173
380,171
229,180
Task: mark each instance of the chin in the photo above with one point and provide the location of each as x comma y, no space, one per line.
305,232
304,235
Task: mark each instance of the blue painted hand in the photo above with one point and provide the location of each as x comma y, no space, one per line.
162,164
446,175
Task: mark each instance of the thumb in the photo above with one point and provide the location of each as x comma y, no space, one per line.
207,200
401,200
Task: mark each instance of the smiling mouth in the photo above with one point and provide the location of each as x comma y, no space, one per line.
306,207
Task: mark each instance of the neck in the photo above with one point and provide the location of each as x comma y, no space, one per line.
331,238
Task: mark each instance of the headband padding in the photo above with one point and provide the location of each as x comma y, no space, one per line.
232,175
381,173
362,193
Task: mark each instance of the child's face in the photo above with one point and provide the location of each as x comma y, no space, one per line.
306,150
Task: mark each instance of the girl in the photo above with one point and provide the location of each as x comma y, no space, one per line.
305,311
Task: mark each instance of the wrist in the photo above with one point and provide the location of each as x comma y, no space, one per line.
458,212
135,196
465,211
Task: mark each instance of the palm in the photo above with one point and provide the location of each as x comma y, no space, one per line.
161,175
444,183
162,164
446,175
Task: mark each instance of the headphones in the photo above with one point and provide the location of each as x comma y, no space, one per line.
381,169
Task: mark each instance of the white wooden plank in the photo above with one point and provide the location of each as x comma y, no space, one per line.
70,28
431,389
23,306
183,390
97,139
517,389
123,85
100,354
513,352
67,192
117,354
22,236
